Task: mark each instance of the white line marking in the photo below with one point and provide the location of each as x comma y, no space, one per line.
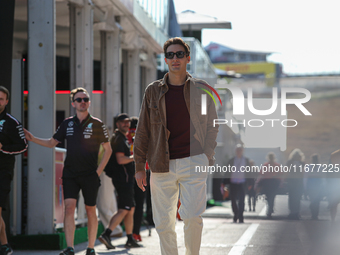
242,243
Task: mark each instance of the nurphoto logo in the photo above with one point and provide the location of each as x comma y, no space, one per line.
239,103
204,98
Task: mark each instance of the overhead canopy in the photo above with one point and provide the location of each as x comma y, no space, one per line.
105,14
190,20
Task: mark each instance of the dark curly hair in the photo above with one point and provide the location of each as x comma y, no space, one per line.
177,40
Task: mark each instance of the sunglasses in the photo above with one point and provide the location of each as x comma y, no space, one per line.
79,99
179,54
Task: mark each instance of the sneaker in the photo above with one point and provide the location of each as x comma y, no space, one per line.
6,250
67,251
104,239
138,238
131,244
90,251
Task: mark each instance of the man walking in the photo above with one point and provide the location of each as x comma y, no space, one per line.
121,169
237,183
12,142
84,135
174,136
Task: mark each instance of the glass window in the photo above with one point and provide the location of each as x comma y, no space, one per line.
243,56
156,10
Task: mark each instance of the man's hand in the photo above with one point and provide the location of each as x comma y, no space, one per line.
106,156
141,179
28,135
0,146
49,143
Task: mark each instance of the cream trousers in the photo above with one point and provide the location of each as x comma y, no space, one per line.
182,180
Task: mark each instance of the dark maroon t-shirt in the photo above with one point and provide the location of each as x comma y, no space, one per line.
178,123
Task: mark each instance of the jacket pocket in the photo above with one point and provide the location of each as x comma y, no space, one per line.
155,117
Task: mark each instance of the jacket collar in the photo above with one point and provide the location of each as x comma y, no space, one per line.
165,79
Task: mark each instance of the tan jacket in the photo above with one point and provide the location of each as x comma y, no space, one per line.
151,140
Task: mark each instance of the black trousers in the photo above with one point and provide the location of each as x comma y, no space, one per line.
138,215
295,190
237,194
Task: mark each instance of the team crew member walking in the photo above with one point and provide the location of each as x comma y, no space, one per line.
121,169
12,142
84,135
174,137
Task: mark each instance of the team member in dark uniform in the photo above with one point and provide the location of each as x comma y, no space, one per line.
84,135
121,169
12,142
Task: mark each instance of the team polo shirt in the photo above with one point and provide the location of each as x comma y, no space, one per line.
83,142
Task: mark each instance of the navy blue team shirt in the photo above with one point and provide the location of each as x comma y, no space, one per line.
83,142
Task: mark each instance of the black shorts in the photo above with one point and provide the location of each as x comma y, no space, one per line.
6,177
126,197
88,184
